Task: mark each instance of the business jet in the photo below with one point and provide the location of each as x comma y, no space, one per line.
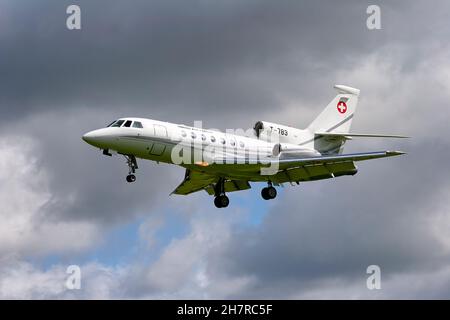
220,162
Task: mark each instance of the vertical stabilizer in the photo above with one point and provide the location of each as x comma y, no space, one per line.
336,117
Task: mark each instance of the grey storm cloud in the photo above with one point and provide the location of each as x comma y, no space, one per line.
148,56
229,63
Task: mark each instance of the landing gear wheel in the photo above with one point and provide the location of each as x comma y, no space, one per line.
132,166
221,201
264,194
269,193
217,202
131,178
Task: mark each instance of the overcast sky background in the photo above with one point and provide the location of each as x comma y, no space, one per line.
229,64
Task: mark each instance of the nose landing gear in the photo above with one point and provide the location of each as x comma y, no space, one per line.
269,192
132,166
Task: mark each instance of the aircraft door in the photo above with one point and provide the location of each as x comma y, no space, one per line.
160,132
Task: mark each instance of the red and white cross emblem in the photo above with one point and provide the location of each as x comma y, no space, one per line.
341,106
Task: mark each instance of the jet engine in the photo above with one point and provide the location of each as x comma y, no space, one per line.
286,151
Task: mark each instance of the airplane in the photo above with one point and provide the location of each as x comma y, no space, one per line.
220,162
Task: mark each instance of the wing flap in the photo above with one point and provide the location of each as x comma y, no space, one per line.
231,186
315,172
194,181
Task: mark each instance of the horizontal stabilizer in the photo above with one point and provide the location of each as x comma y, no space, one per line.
362,135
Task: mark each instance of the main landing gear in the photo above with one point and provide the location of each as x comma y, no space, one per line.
269,192
132,166
220,200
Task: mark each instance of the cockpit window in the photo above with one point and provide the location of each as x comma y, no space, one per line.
137,124
128,123
109,125
118,123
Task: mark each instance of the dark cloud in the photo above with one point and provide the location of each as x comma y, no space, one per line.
150,57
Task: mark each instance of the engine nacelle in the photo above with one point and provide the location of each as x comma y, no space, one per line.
273,132
286,151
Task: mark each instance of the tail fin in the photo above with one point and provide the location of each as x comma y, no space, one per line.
335,118
338,115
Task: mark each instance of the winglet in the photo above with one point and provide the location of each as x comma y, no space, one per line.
394,153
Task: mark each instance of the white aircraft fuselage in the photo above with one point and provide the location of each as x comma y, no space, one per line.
156,141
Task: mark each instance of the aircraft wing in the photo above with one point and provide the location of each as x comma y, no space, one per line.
296,170
286,163
287,170
299,161
329,159
196,180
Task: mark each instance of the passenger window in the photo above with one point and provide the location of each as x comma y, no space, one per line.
241,144
183,133
203,137
128,123
137,124
118,123
233,143
213,139
193,135
222,140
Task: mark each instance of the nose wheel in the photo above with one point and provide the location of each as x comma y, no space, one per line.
132,166
269,192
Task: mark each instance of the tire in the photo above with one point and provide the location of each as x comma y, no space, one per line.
264,194
217,202
131,178
224,201
271,192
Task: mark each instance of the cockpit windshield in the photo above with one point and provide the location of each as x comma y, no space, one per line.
126,123
118,123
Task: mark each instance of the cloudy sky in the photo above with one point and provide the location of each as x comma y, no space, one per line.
229,64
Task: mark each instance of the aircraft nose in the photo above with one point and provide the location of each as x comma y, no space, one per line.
89,137
100,138
93,137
